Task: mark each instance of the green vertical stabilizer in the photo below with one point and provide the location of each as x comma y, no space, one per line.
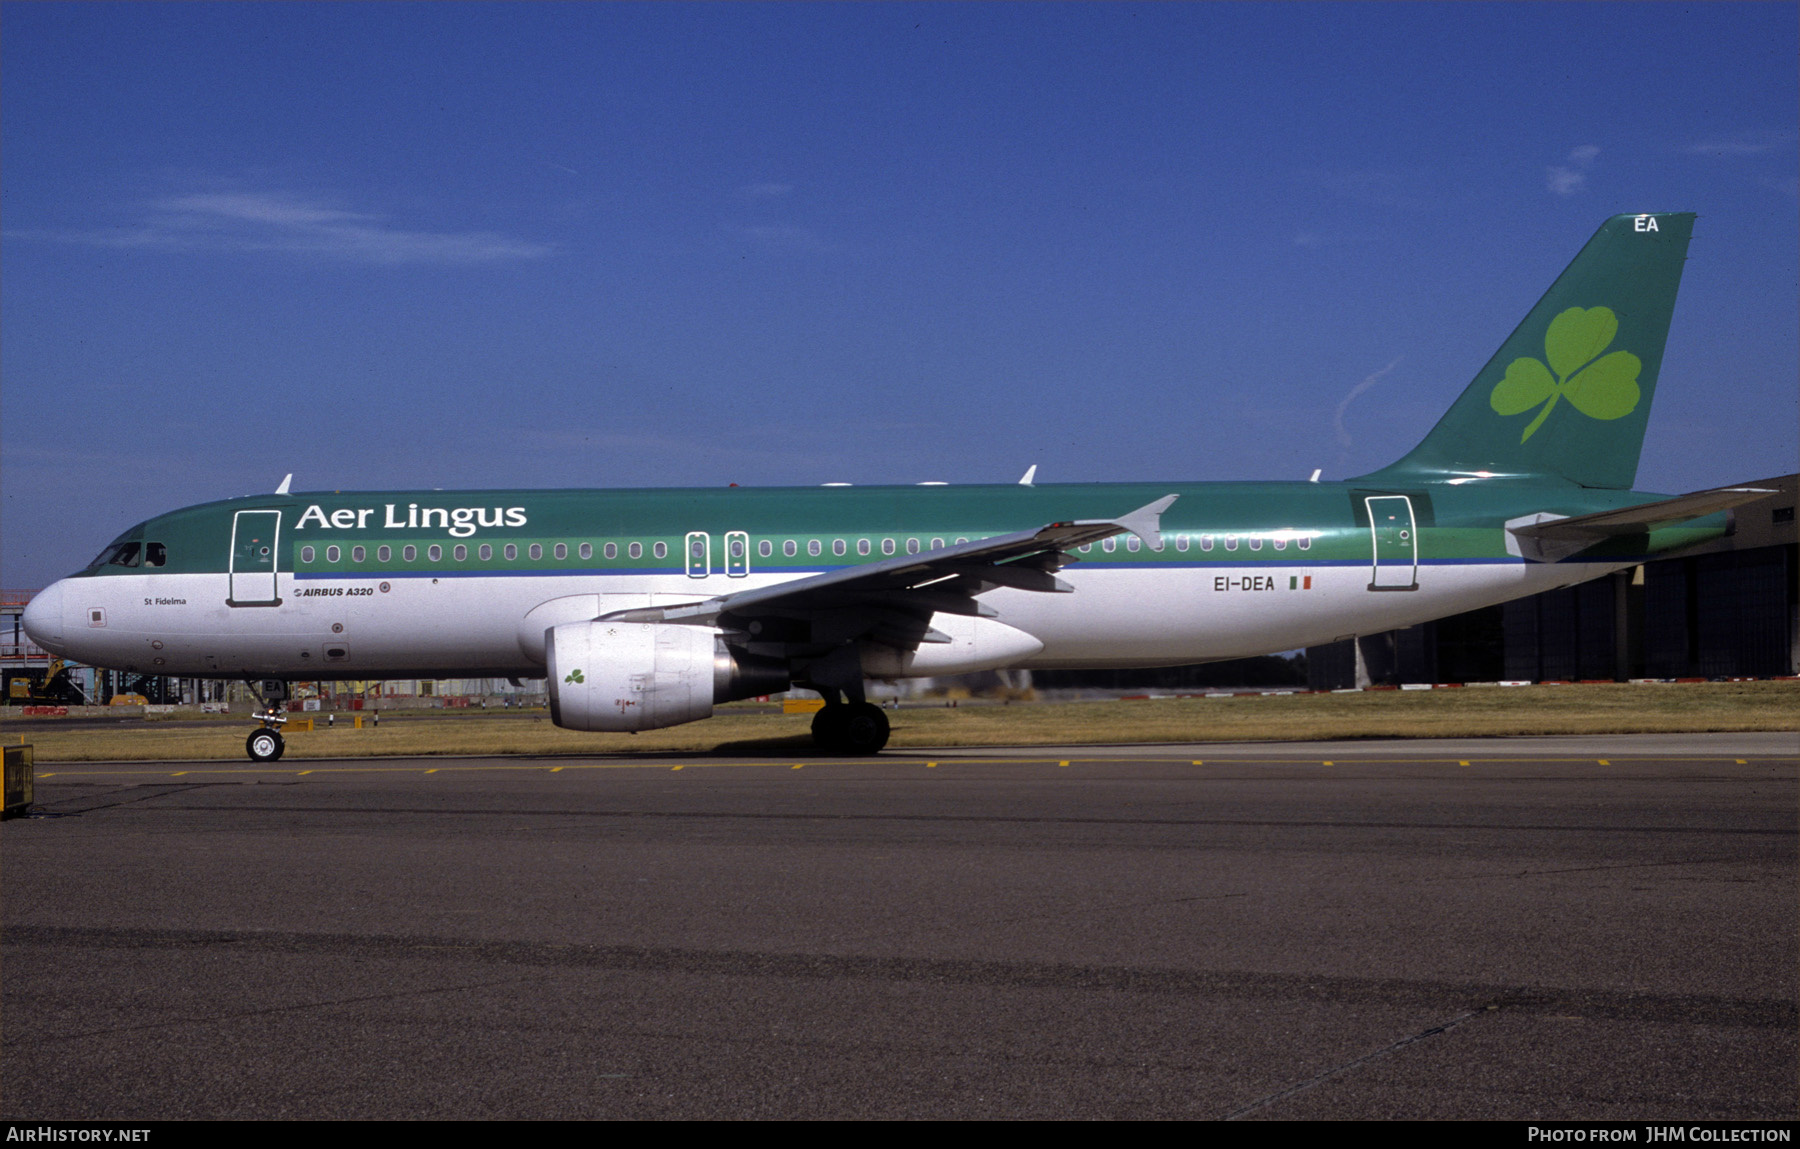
1568,394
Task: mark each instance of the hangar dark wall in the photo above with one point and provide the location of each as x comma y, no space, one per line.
1728,609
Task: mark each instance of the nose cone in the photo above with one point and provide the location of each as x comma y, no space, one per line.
43,619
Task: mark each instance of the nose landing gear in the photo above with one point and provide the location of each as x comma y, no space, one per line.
266,744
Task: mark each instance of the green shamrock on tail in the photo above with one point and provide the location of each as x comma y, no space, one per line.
1600,387
575,676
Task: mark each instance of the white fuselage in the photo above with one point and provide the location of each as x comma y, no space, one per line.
347,627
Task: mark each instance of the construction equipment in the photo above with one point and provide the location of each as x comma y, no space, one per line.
33,686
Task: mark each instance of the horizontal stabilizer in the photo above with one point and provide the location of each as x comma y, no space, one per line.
1644,516
1549,538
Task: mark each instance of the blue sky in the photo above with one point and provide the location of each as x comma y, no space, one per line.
618,245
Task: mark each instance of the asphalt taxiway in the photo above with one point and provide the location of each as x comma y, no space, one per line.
1532,928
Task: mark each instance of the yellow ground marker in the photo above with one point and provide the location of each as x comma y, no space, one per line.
675,767
1739,761
930,765
433,770
1603,762
178,773
303,773
555,769
1328,762
1462,761
797,765
1062,763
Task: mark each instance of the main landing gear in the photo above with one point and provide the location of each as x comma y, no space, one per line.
266,744
850,728
849,723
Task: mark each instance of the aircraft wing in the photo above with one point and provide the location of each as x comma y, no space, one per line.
866,597
1643,517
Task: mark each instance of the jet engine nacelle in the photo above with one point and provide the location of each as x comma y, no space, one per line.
622,676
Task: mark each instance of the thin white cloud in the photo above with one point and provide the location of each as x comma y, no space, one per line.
1747,143
1568,178
293,225
784,235
1406,188
1337,420
1565,181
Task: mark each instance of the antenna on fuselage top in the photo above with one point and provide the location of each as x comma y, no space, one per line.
1030,474
283,489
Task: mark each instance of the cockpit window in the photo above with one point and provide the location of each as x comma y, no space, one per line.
155,554
121,555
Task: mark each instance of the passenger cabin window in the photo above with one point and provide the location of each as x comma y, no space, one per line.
912,546
460,553
409,552
512,552
1231,542
1280,542
536,551
485,552
1256,542
383,554
1132,542
1109,545
790,548
562,550
937,544
862,546
610,550
887,546
435,553
332,554
306,554
1181,543
635,550
1206,542
1306,542
838,547
587,550
814,547
660,550
358,554
765,549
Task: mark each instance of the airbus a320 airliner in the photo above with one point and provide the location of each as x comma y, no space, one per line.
646,608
